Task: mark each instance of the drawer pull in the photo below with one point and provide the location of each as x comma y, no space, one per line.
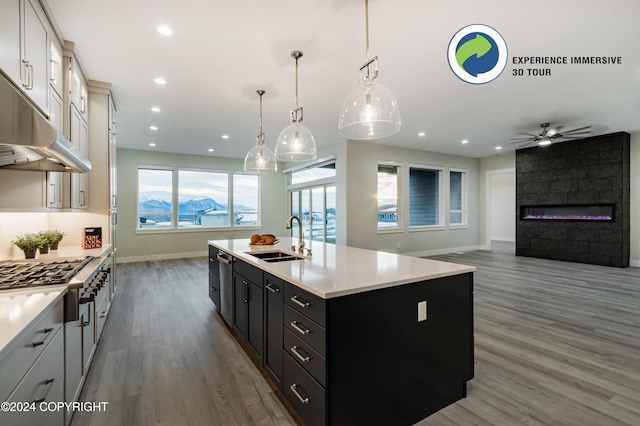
294,389
300,302
295,349
47,382
272,289
47,330
36,344
294,324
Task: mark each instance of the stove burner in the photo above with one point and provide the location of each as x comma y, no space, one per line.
19,274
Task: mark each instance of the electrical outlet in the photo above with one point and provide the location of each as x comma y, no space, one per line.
422,311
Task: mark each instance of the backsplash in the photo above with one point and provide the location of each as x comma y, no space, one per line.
12,224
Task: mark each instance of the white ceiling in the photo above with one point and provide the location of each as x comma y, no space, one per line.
222,51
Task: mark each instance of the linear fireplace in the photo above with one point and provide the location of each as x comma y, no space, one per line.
569,212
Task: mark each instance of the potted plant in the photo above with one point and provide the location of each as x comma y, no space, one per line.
56,237
29,244
47,239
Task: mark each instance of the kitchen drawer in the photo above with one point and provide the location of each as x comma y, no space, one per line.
17,362
306,303
308,331
250,272
214,290
102,295
306,356
307,397
43,383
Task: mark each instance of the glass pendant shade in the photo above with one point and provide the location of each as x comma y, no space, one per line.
296,143
260,159
369,111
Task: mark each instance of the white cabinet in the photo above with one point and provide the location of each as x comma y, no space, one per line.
55,179
79,181
24,48
34,60
10,39
56,67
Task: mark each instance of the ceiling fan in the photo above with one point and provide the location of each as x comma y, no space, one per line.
546,137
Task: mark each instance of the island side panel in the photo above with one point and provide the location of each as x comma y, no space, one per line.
385,367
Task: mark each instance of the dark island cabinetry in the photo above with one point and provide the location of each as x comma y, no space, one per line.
391,356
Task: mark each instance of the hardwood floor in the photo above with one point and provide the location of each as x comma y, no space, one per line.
556,343
166,358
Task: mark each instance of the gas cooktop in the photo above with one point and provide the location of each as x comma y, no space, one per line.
32,273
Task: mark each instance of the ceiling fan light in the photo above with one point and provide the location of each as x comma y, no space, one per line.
544,141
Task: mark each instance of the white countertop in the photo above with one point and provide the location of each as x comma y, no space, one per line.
70,252
336,270
21,308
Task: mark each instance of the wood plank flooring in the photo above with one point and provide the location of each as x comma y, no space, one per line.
556,343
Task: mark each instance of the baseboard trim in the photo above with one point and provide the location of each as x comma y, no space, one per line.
442,251
166,256
634,263
505,239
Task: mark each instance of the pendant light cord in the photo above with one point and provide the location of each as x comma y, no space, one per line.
366,24
261,135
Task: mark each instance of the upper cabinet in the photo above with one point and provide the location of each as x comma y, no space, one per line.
10,39
55,66
24,48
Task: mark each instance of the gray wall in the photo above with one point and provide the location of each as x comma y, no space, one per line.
135,245
361,189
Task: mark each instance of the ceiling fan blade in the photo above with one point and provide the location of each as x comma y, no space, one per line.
523,140
585,129
530,135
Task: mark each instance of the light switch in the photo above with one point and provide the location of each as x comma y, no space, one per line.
422,310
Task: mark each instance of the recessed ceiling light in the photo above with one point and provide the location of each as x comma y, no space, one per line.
155,109
160,81
164,30
225,136
498,148
210,149
421,134
153,128
464,142
152,144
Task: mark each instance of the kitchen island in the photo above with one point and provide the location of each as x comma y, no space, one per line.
351,336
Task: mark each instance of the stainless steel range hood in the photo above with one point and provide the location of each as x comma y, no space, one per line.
27,139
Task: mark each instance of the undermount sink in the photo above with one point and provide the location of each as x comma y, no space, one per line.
275,256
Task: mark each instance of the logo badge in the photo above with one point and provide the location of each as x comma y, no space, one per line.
477,54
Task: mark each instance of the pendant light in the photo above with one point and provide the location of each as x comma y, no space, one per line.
260,159
370,111
296,143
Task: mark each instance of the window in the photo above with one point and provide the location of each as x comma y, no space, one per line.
186,198
424,197
387,196
457,197
246,199
312,197
155,198
202,199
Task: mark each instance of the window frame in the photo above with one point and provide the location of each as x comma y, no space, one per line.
464,199
399,198
175,201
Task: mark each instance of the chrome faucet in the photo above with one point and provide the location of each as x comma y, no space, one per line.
300,236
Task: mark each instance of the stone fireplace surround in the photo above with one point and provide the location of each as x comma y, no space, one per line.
594,171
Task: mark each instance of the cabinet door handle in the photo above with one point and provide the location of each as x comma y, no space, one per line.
300,330
47,382
54,69
301,357
272,289
300,302
245,291
52,192
294,389
30,85
82,198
